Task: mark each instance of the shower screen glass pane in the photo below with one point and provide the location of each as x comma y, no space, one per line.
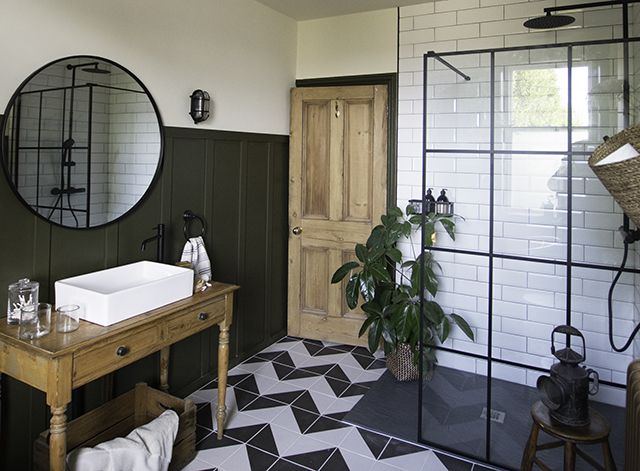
596,219
513,392
453,402
596,94
529,300
532,100
458,111
454,393
530,205
465,176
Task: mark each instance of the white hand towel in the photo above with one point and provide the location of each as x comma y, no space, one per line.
195,252
147,448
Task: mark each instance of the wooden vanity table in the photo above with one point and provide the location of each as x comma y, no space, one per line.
57,363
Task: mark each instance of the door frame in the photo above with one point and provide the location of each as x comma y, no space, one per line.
391,81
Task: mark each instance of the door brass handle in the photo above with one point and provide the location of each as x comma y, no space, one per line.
297,230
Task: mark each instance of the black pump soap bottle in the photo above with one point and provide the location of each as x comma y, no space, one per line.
443,205
430,202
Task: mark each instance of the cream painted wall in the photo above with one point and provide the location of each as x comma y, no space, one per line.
240,51
362,43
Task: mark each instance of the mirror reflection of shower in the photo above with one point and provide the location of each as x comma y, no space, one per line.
82,142
66,189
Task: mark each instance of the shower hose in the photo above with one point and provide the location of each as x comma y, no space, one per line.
610,303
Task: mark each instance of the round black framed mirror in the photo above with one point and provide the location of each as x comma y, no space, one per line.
82,142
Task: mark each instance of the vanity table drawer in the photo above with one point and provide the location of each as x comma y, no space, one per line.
195,320
114,354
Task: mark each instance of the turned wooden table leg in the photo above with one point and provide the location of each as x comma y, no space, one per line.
569,456
609,464
59,372
58,438
164,369
223,365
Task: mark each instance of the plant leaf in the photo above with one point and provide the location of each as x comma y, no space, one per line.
377,237
352,290
365,325
361,253
388,333
433,312
450,227
367,285
443,330
464,325
375,333
376,252
379,273
343,270
394,254
395,212
416,219
429,230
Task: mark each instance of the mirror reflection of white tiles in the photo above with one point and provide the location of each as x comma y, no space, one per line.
286,410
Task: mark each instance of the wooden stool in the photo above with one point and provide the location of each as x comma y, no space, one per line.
596,432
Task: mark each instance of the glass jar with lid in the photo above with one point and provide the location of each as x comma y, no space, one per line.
22,293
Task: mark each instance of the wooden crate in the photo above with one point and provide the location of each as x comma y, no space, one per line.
118,417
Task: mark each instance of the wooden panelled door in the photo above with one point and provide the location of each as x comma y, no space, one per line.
337,193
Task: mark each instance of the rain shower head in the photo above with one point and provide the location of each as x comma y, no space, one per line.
96,70
549,21
90,67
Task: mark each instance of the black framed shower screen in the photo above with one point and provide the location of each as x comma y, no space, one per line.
502,146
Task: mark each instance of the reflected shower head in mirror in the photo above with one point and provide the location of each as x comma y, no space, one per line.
90,67
96,70
549,21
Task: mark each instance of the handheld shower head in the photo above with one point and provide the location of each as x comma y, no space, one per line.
549,21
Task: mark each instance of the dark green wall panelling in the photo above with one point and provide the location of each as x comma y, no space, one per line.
238,183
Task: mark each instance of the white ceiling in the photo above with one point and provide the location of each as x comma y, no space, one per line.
310,9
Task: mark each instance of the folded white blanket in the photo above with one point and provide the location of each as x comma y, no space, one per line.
147,448
195,252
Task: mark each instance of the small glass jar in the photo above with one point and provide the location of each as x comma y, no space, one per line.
35,321
21,293
68,318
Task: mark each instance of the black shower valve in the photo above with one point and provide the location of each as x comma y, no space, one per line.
629,236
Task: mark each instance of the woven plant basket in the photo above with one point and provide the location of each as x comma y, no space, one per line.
400,363
621,179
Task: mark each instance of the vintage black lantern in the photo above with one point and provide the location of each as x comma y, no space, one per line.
199,106
566,391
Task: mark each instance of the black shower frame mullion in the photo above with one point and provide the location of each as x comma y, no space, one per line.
506,151
89,134
492,146
569,191
39,150
570,264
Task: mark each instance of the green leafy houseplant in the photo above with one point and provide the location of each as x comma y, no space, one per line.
390,287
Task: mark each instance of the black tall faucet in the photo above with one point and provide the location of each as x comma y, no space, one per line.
159,238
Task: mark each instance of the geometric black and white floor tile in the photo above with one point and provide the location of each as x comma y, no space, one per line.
285,408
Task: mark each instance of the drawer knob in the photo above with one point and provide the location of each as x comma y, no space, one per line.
203,316
122,351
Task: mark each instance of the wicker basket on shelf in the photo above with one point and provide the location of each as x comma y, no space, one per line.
621,179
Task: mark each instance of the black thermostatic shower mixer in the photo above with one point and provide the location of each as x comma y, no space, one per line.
566,391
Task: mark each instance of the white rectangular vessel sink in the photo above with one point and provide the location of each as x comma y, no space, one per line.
113,295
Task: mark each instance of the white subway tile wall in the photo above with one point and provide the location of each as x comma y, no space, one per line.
531,189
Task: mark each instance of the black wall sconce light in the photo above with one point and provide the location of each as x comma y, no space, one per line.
199,106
